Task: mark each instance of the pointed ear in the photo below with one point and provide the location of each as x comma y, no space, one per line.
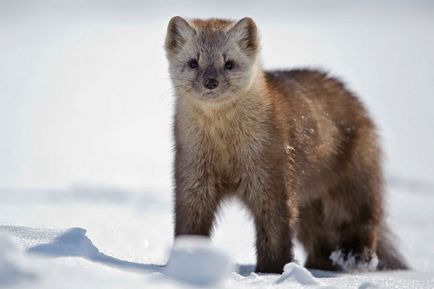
178,32
246,33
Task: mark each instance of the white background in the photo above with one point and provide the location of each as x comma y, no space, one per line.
85,95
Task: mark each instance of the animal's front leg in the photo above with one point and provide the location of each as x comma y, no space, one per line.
195,210
272,215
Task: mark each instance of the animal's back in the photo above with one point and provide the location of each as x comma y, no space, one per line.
321,94
327,125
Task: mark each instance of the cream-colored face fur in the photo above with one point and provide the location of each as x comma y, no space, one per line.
211,60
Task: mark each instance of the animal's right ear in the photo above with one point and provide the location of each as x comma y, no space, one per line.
246,34
178,32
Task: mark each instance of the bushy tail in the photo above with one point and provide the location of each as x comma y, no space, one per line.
388,256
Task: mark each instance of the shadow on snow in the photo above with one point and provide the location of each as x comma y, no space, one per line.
75,243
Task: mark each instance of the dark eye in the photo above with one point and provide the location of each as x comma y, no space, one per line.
229,65
193,64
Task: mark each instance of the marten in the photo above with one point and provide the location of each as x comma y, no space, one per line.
295,146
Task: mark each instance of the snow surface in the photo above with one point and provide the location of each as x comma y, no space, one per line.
86,149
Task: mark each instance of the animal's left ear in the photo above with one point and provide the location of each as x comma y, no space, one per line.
178,32
246,33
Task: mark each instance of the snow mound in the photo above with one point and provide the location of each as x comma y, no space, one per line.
297,273
194,260
349,262
72,243
11,268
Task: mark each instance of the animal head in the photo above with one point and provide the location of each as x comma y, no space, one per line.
212,60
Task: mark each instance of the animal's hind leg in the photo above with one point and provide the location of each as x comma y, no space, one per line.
340,230
360,192
356,201
348,213
317,240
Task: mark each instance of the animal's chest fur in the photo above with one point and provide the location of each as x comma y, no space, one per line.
229,145
225,148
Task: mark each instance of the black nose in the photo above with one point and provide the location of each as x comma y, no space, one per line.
211,83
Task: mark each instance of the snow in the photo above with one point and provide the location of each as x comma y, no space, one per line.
86,147
95,243
11,269
368,285
293,272
194,260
